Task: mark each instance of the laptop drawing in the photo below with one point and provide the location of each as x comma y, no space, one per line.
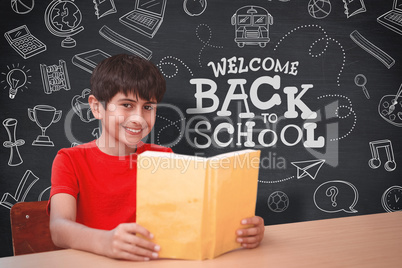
393,18
146,18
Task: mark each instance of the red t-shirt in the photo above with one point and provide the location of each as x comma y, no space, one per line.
103,185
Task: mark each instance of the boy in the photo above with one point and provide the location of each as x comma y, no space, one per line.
92,203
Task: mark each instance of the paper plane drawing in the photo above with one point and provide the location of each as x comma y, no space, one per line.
308,168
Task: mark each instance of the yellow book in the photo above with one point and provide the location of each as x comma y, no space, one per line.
194,205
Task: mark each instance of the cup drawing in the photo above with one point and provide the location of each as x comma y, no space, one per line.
44,116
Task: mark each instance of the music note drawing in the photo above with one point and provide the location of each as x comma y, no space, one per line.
375,161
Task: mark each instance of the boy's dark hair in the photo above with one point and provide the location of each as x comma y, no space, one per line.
127,74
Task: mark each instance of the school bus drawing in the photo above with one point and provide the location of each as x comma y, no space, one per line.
252,26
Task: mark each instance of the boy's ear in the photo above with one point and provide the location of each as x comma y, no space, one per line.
96,106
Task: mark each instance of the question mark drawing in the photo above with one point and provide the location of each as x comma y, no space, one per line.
332,192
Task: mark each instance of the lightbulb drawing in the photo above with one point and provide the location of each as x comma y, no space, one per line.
16,78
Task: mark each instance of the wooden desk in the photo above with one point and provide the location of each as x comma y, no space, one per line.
357,241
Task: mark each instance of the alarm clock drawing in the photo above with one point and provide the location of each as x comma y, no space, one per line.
392,199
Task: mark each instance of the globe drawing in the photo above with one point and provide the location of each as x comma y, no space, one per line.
63,18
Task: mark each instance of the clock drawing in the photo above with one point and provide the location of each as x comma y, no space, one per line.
392,199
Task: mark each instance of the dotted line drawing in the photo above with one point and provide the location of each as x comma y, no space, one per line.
167,60
170,123
298,28
325,38
278,181
206,43
351,111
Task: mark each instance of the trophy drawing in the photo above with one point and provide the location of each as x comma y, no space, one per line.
15,158
44,116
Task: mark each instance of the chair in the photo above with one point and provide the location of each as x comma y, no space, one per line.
30,228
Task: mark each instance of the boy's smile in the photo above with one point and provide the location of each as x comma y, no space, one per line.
126,120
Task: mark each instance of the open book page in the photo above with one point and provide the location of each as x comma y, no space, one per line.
193,205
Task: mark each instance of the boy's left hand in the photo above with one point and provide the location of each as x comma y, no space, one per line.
251,236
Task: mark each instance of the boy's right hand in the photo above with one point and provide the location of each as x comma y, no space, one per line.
125,244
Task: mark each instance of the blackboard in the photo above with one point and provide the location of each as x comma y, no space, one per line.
312,84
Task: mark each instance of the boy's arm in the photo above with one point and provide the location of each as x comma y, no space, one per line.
119,243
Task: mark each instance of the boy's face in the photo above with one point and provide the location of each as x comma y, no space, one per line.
125,121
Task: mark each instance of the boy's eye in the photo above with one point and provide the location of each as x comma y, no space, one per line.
127,105
148,107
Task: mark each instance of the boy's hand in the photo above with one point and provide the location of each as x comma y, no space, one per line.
124,244
251,237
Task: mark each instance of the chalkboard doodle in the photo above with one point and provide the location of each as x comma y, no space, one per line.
169,60
146,18
319,9
22,6
81,107
55,77
22,41
88,60
354,7
278,201
96,132
11,126
252,26
350,110
308,168
392,19
361,81
336,196
372,49
390,108
44,116
16,78
63,19
28,180
391,199
104,7
194,7
375,161
205,42
44,195
125,43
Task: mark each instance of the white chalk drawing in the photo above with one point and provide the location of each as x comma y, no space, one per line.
44,195
96,132
336,196
63,19
171,124
28,180
16,78
354,7
81,107
88,60
146,18
393,18
104,8
252,26
194,7
11,126
361,81
22,41
205,42
372,49
278,201
308,168
348,107
22,7
390,108
375,161
326,39
319,9
172,61
55,77
125,43
44,116
391,199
